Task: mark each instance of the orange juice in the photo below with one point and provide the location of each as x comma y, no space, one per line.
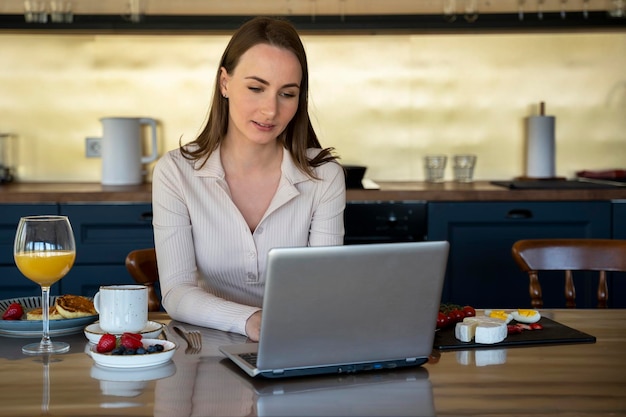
45,267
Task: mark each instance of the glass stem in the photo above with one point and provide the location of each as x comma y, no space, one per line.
45,310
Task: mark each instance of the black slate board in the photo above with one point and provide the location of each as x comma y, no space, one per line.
553,185
552,333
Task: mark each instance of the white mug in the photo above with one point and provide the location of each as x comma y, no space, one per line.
122,308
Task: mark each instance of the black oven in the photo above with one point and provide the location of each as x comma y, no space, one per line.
385,221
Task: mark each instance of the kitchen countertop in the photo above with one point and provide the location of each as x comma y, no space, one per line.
389,191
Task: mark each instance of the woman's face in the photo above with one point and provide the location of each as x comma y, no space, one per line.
263,93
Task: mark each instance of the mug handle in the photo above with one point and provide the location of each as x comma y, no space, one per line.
96,301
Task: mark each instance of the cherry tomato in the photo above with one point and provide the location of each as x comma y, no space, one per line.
451,317
513,329
469,311
458,315
442,320
536,326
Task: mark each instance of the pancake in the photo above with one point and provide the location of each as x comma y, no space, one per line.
75,306
37,314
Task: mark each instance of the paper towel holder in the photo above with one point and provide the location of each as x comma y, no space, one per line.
540,147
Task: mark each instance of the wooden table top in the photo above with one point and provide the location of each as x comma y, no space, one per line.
565,380
389,191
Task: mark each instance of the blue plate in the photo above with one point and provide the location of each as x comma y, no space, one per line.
34,328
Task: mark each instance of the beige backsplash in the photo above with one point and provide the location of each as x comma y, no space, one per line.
381,100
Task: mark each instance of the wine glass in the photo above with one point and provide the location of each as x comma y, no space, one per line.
44,252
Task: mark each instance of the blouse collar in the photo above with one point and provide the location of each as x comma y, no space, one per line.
213,167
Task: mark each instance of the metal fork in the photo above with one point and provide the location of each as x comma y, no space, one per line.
193,339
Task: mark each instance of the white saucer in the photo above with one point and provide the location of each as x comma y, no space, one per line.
152,330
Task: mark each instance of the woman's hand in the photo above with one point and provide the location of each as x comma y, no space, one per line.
253,326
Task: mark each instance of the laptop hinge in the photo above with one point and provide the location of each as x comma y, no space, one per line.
278,371
411,360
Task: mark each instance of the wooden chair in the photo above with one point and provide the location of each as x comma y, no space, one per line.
142,266
569,255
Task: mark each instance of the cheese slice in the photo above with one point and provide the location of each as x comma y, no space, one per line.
485,330
465,331
490,333
483,319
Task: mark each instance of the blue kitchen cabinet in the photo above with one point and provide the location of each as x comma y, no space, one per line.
12,283
619,219
481,271
87,279
617,281
105,233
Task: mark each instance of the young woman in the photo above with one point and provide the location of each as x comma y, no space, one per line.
255,178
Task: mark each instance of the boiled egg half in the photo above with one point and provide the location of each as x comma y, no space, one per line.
525,315
499,314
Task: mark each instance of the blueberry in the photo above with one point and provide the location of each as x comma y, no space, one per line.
140,351
118,350
159,348
129,352
152,349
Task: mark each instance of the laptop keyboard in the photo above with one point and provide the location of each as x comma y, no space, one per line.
249,357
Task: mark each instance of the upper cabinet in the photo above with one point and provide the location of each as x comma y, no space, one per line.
327,15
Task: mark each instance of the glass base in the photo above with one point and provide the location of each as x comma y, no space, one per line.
40,349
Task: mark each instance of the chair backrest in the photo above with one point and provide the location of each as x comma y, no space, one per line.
602,255
142,266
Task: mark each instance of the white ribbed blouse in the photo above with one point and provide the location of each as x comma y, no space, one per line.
211,267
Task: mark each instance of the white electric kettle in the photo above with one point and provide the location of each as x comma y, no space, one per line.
122,153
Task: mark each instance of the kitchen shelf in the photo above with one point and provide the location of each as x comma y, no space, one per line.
22,193
336,24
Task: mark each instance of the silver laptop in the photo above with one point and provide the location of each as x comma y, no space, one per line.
344,309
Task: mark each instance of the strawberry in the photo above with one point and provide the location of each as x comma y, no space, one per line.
106,343
131,340
14,312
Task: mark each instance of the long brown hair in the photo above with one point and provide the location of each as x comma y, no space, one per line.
299,134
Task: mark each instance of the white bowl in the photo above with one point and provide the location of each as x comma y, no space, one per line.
136,361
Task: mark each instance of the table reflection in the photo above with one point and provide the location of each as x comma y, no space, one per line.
481,357
403,393
45,359
208,384
45,396
129,382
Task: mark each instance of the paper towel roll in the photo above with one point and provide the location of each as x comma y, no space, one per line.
540,147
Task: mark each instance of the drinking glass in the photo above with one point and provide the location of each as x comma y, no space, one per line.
44,252
434,166
464,167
